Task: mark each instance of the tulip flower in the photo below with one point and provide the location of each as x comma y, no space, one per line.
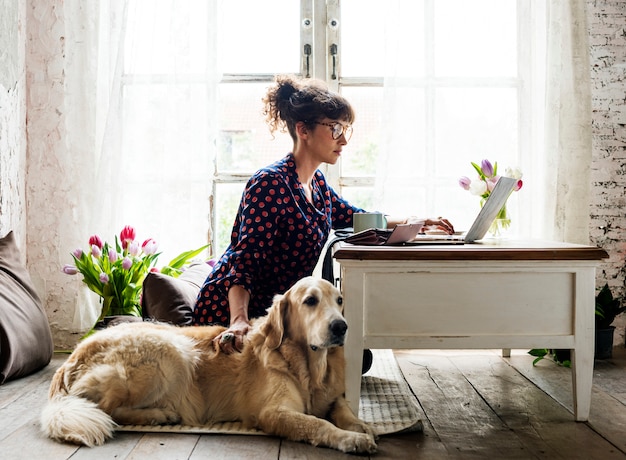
95,251
149,246
478,187
78,253
465,182
487,168
112,255
95,240
491,183
104,278
69,269
127,263
127,236
515,173
133,248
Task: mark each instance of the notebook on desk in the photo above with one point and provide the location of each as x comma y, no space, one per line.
408,234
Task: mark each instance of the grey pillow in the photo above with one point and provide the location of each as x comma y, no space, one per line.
172,300
25,338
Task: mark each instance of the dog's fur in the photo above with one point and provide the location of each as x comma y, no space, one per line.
288,381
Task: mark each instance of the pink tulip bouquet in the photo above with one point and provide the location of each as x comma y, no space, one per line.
116,272
483,185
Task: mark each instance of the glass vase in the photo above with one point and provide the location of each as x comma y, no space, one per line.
500,224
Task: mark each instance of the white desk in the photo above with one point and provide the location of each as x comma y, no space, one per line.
504,294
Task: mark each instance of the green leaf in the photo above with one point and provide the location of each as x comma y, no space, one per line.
536,360
478,170
181,259
538,352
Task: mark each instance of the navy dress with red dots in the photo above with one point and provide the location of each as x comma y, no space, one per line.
277,238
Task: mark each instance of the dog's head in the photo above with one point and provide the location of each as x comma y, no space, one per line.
310,312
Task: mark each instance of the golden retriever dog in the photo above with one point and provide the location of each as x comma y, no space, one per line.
288,381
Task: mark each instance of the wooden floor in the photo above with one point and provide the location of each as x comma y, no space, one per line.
476,405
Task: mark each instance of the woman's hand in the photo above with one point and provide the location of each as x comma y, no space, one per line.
431,224
231,339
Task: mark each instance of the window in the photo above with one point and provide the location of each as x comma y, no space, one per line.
435,84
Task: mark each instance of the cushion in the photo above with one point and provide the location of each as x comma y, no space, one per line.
171,300
25,338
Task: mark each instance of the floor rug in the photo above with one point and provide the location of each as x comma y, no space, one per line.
387,403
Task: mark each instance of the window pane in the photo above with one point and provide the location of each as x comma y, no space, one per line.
259,37
382,38
360,156
245,143
475,39
405,141
472,124
165,172
161,39
363,50
362,197
229,196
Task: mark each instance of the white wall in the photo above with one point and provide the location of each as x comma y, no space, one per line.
12,120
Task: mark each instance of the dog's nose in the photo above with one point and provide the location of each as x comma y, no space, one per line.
338,327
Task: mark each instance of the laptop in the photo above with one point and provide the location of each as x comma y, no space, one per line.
408,234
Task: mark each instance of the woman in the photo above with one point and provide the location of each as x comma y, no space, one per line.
286,212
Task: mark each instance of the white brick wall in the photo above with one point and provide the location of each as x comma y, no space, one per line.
607,25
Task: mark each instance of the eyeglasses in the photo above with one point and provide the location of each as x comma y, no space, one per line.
338,129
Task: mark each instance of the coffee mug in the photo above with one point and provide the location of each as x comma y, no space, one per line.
364,220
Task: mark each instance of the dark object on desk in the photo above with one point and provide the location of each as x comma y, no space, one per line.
401,234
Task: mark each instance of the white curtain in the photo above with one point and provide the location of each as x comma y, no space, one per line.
555,141
568,124
145,106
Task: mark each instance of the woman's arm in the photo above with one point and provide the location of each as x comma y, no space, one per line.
232,338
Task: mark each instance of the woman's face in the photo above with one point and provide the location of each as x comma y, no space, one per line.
322,144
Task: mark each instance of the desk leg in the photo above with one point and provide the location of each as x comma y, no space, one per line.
582,355
352,288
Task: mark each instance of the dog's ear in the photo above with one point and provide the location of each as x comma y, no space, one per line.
274,328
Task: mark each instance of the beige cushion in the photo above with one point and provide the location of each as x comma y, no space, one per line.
25,339
172,300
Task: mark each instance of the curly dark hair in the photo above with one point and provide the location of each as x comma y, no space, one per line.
292,99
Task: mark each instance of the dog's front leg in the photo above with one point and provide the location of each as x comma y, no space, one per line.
297,426
342,416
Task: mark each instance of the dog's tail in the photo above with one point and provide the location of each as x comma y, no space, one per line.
69,418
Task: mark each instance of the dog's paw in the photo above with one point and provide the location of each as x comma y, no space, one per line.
358,443
362,427
171,417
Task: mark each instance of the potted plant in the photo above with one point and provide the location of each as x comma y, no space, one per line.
607,308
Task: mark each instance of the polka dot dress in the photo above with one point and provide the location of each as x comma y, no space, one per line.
277,238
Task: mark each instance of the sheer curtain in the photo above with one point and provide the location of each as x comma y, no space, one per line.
152,135
568,124
551,145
